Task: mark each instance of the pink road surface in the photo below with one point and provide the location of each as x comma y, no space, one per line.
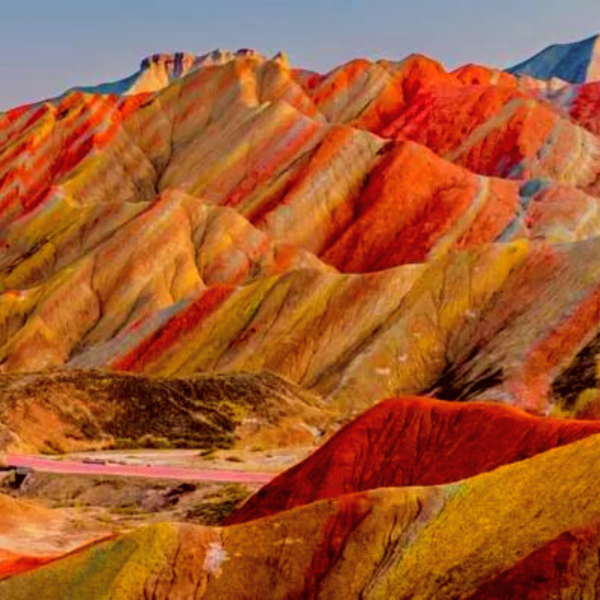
71,467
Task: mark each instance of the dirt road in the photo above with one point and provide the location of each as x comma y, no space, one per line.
71,467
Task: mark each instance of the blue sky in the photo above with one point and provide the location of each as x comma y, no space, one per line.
47,46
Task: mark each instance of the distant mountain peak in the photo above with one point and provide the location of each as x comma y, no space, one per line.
577,62
159,69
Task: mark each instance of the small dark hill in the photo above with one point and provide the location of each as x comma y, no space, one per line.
64,411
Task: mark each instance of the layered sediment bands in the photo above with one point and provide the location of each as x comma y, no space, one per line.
252,135
412,185
302,324
521,367
226,249
448,328
422,542
413,442
80,139
502,132
171,251
83,410
203,225
583,103
466,336
451,327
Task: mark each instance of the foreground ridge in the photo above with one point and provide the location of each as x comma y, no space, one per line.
462,540
413,442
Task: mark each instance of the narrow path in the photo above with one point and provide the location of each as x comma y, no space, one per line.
71,467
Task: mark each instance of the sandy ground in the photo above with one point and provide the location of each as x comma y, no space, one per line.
272,461
113,491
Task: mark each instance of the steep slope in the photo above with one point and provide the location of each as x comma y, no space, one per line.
576,62
78,410
413,442
122,283
268,324
202,227
137,296
449,541
582,103
503,132
451,328
226,249
253,135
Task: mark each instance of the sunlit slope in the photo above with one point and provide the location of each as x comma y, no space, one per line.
413,441
450,541
385,228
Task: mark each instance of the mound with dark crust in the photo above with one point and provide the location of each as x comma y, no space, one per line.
78,410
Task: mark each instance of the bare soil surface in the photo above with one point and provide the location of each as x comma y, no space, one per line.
109,503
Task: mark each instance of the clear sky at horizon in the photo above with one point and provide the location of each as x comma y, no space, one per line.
47,46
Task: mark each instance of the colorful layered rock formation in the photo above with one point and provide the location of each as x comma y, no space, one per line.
481,537
501,131
581,102
450,328
232,195
321,242
413,442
